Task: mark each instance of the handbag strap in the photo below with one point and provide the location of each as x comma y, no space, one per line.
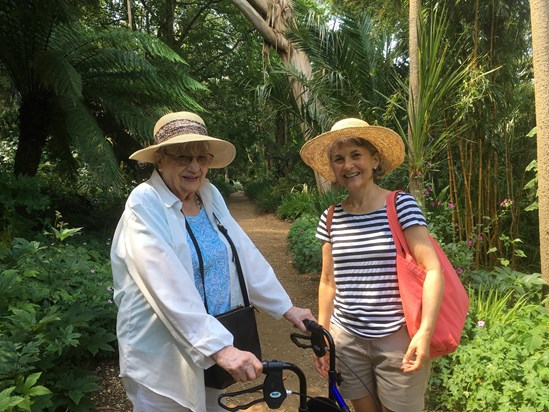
241,280
236,261
398,234
329,218
200,261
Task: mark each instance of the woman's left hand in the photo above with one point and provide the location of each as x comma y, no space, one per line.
297,316
417,354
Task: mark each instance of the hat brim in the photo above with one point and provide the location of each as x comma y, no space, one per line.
387,142
223,152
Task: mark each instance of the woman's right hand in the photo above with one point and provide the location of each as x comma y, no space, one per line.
243,366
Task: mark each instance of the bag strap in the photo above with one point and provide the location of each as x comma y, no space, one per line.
329,218
200,261
241,280
398,234
236,261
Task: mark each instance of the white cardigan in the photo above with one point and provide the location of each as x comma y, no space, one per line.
165,336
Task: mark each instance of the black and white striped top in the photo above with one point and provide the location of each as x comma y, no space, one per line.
367,301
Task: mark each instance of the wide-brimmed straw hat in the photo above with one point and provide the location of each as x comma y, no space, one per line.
186,127
388,144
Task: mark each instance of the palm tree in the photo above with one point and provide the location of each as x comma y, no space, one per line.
74,84
351,62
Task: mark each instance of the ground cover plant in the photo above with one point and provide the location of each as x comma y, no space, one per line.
57,318
502,363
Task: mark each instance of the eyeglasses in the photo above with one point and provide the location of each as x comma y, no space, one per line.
184,160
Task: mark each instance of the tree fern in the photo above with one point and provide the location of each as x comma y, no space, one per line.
72,78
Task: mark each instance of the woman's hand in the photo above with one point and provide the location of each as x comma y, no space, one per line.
417,354
322,365
297,315
243,366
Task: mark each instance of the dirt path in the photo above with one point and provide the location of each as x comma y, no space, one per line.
269,234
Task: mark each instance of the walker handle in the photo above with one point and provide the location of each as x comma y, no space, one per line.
273,390
319,338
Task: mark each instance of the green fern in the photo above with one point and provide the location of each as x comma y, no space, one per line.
73,80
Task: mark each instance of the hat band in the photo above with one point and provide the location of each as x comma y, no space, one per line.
178,127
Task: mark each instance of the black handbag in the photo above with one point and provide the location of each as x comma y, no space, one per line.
241,321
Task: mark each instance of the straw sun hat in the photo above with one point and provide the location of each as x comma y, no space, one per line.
388,143
185,127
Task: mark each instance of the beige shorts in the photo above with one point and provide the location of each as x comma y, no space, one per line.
375,364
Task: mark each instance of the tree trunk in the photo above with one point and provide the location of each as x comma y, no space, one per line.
257,15
416,178
539,10
131,24
33,121
271,18
167,22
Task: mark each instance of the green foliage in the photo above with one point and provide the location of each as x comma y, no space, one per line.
531,187
502,362
81,89
28,389
304,207
27,204
226,188
304,247
295,205
23,201
307,201
267,193
503,357
504,279
56,315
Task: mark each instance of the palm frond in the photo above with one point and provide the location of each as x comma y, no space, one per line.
350,63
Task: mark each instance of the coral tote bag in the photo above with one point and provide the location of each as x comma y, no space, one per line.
455,302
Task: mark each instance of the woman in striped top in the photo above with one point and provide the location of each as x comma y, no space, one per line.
382,369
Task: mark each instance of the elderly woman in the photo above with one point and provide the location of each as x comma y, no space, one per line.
359,301
163,278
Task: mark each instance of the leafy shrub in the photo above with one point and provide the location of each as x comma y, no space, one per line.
303,200
294,205
461,256
303,246
23,202
224,187
253,189
505,279
267,194
56,316
502,362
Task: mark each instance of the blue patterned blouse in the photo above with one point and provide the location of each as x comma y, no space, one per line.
216,264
